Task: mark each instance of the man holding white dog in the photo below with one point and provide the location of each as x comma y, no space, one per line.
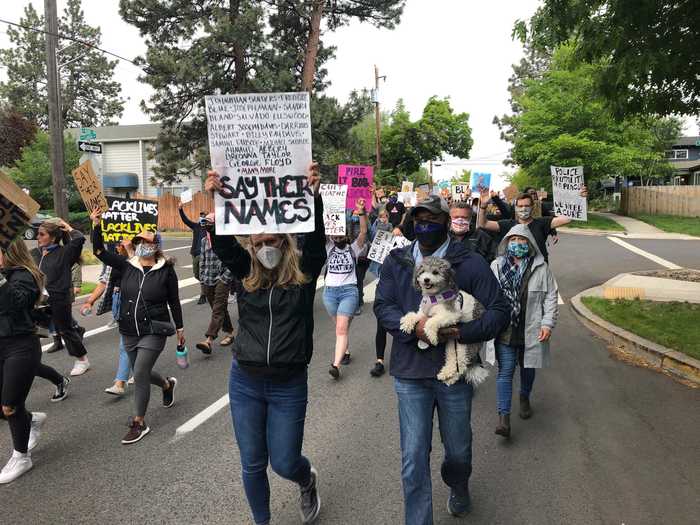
415,371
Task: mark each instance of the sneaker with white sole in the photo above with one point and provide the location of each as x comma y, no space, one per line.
136,432
38,419
169,394
131,381
19,464
115,390
61,391
309,499
80,367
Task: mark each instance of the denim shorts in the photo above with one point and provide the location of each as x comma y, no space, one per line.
341,300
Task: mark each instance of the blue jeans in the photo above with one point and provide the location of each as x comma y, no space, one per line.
116,303
417,401
508,357
124,367
268,422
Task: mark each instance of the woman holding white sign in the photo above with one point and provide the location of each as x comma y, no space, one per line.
268,386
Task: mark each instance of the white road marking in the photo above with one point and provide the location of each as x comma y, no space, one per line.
200,418
650,256
559,299
183,283
178,248
187,266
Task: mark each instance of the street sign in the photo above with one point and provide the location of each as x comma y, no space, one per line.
87,134
90,147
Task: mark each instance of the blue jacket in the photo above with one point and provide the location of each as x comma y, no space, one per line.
397,296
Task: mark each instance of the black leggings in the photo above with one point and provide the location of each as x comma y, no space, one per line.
62,318
50,374
19,358
360,272
380,340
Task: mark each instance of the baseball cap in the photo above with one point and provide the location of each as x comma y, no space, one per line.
434,204
153,237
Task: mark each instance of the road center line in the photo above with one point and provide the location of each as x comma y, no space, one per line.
559,299
200,418
178,248
650,256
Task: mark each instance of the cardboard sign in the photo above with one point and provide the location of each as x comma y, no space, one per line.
423,191
406,186
480,182
460,192
408,198
334,196
260,144
511,192
90,188
382,245
186,196
16,210
358,180
126,218
566,187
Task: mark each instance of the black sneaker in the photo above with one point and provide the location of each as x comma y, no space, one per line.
61,391
169,394
334,371
202,300
309,500
136,432
378,369
459,504
346,359
358,311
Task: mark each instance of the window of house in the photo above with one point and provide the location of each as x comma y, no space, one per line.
677,154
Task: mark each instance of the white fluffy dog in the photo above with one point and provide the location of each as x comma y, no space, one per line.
445,305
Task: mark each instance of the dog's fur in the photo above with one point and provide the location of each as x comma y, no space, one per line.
435,277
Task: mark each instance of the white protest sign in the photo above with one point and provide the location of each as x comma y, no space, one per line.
399,242
334,196
460,192
260,144
567,184
186,196
408,198
383,243
406,186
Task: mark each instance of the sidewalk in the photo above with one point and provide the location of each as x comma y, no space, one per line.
637,229
627,285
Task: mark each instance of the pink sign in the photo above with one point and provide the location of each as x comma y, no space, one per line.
358,180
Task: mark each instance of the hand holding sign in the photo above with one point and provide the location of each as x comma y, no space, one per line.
313,178
96,215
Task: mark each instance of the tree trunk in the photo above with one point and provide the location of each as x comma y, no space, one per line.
240,73
309,71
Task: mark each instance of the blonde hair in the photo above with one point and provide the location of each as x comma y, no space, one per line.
287,273
17,256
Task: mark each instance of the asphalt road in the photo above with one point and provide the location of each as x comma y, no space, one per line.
609,443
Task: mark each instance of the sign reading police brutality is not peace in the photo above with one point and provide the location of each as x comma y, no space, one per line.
260,144
127,218
567,184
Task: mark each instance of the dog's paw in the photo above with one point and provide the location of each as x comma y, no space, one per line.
476,375
408,322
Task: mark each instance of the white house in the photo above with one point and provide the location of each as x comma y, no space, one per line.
124,165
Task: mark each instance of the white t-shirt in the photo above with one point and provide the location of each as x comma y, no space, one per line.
341,264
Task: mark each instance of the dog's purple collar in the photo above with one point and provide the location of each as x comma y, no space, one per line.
448,295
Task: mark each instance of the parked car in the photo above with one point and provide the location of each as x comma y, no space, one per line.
31,232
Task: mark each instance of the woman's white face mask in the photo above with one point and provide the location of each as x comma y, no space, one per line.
269,256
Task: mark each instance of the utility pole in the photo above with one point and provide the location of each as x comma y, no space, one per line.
60,203
378,120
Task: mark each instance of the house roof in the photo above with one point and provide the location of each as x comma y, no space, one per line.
122,133
690,165
686,141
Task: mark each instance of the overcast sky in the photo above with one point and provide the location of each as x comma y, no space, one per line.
456,48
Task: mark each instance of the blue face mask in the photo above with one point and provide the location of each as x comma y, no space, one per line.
517,249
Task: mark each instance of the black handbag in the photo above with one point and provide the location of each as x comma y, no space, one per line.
41,315
165,328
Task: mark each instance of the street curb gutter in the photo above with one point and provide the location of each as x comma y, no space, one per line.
653,355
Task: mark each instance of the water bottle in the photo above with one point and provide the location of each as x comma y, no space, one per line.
181,356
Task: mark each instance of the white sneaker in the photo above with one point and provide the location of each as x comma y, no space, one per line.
112,323
38,419
131,381
19,464
115,390
80,367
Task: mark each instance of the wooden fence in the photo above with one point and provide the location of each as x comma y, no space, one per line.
168,214
683,201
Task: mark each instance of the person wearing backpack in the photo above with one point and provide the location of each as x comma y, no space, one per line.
340,296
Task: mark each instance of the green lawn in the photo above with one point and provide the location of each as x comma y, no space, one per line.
674,325
673,223
87,288
89,258
596,222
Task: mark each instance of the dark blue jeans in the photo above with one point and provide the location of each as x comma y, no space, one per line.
418,399
508,357
268,422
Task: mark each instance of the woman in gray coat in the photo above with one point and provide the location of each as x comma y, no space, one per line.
531,290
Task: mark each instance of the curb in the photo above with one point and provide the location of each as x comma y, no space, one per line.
590,232
652,355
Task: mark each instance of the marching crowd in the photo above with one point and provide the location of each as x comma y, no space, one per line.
497,253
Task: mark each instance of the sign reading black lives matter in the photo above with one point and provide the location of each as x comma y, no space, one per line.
127,218
567,184
260,144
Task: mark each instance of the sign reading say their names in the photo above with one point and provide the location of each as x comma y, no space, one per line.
358,180
260,144
89,187
567,184
334,196
16,210
126,218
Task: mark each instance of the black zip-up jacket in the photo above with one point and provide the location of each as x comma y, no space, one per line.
198,233
145,296
18,295
58,264
276,325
